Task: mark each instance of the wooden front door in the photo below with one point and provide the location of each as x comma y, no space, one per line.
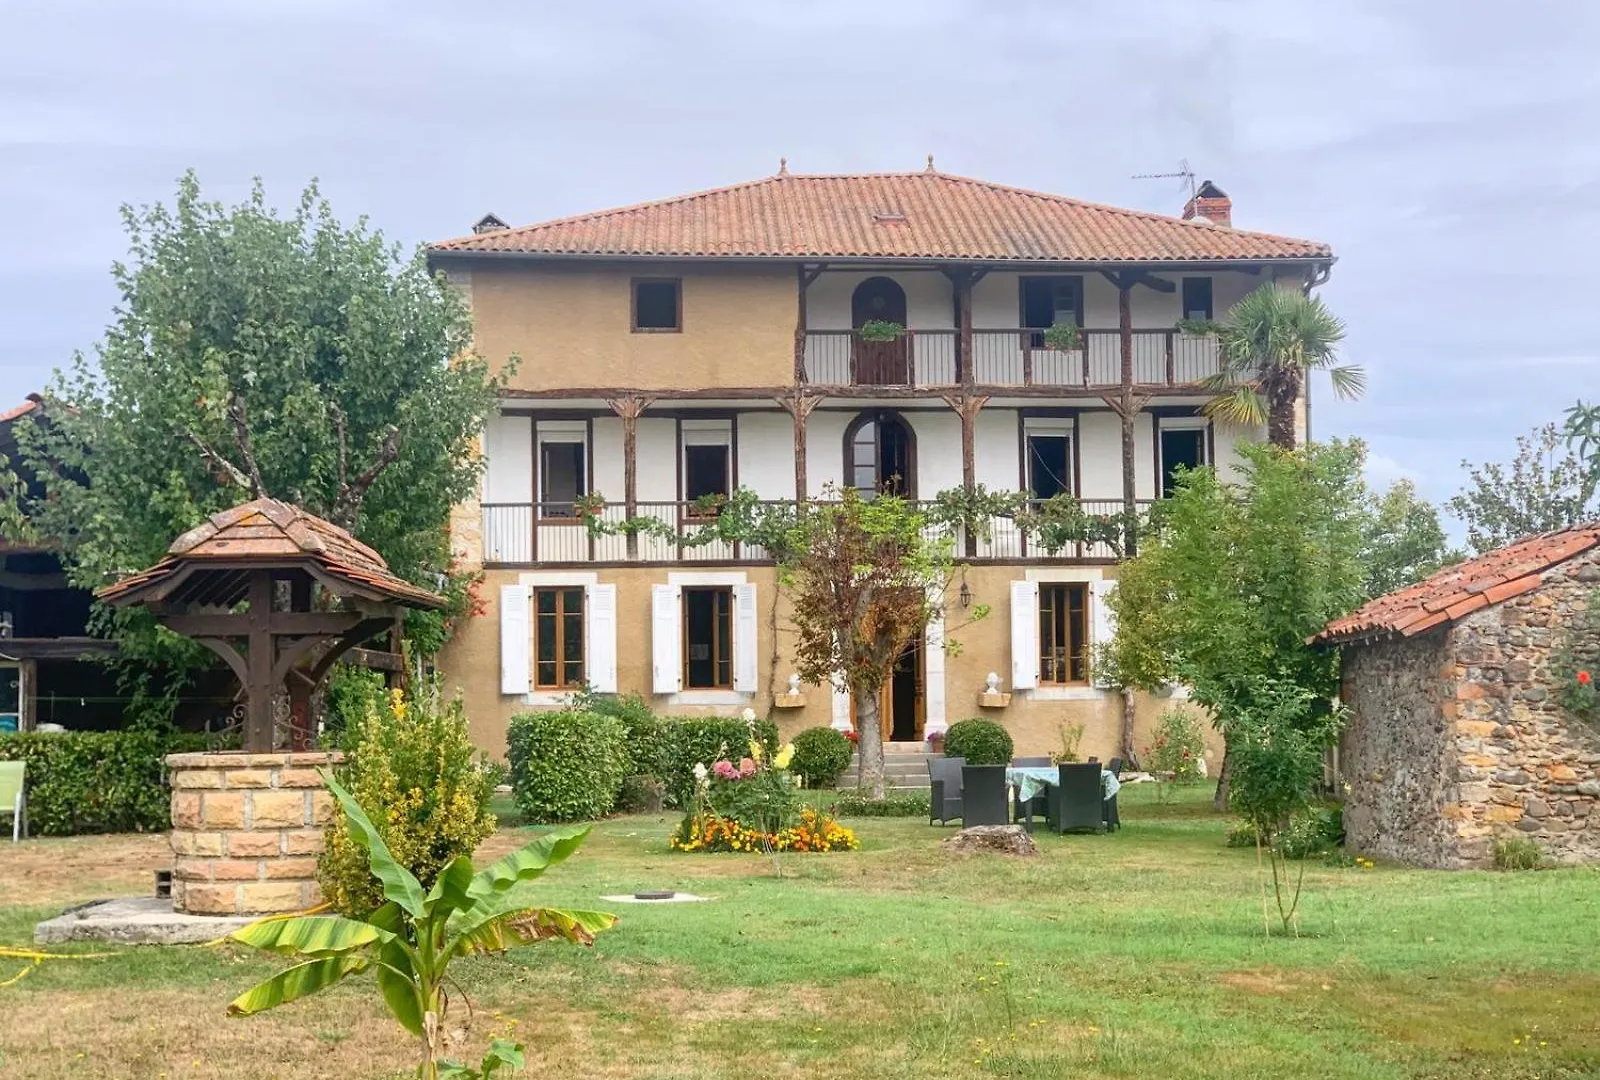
880,363
901,699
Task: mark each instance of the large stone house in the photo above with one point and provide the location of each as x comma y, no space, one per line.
710,342
1456,733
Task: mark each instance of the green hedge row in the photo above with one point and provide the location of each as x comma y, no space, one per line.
97,781
570,765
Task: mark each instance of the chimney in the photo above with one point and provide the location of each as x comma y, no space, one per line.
1211,203
489,223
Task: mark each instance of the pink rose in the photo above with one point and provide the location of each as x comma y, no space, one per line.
747,767
725,770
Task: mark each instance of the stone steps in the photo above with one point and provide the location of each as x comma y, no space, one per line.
905,768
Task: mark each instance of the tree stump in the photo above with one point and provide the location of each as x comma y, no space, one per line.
1006,839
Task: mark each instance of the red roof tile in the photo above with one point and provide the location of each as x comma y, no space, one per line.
920,215
1462,589
33,402
273,532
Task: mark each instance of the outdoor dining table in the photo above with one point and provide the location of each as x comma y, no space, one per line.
1030,780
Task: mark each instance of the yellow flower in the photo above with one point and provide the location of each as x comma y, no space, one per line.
755,750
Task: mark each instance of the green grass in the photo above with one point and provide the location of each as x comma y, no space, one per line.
1139,954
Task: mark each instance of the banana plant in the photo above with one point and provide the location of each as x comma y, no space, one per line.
409,941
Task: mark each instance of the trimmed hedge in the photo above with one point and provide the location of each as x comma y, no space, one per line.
854,804
98,781
567,765
641,727
981,742
701,740
821,755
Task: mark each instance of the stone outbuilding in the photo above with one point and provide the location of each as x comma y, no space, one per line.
1456,734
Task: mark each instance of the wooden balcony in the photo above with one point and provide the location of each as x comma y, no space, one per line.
545,534
927,358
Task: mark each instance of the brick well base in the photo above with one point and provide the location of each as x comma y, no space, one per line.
247,830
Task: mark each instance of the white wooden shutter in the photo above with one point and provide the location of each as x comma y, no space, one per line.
666,638
933,709
1102,620
516,641
1024,635
600,662
745,637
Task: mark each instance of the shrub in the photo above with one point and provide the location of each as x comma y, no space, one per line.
567,765
1177,747
854,804
352,692
757,795
641,795
821,754
643,729
1517,853
700,741
411,767
98,781
980,742
1318,830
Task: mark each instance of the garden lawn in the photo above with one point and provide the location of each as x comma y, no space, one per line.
1139,954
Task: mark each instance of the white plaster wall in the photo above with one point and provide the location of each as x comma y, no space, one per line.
609,473
508,450
825,449
929,303
1100,455
994,450
657,460
1224,439
766,454
938,435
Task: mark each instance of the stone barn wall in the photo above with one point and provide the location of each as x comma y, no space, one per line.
1475,705
1396,754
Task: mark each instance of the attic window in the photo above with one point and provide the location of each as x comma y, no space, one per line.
890,217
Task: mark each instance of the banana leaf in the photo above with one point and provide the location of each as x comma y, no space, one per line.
399,884
297,982
316,935
524,926
527,863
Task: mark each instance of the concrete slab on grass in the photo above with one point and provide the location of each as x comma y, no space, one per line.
142,920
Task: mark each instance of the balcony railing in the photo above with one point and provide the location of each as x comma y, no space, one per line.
525,534
927,358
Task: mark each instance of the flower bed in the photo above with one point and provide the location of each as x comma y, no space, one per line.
815,831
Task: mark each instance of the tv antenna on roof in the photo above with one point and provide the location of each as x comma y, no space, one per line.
1184,173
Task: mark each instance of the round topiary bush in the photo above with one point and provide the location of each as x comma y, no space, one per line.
980,742
821,754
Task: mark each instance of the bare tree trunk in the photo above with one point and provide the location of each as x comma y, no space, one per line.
1219,801
1129,755
869,743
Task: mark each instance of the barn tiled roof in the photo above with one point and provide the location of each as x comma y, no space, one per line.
32,403
1462,589
917,215
273,532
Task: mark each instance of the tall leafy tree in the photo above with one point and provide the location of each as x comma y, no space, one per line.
257,353
1403,541
1269,344
1234,578
1546,485
864,581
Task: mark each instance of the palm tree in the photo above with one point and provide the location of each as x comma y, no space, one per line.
1271,342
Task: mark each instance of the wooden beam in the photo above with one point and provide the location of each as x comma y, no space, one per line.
343,644
285,623
1129,278
629,409
967,406
258,734
799,405
852,392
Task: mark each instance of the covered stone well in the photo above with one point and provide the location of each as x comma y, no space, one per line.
1456,734
247,830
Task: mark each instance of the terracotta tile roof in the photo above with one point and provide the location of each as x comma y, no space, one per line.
1462,589
920,215
272,532
20,411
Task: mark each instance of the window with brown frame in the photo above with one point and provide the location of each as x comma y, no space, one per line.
657,305
705,474
708,639
1063,633
1197,298
561,479
558,639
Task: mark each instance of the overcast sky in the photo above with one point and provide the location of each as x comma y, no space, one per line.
1449,151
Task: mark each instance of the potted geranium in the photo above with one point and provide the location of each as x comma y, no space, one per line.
881,330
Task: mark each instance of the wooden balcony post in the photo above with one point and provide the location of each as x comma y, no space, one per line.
967,406
799,405
804,279
1172,367
628,408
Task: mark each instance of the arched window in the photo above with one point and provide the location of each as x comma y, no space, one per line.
880,455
